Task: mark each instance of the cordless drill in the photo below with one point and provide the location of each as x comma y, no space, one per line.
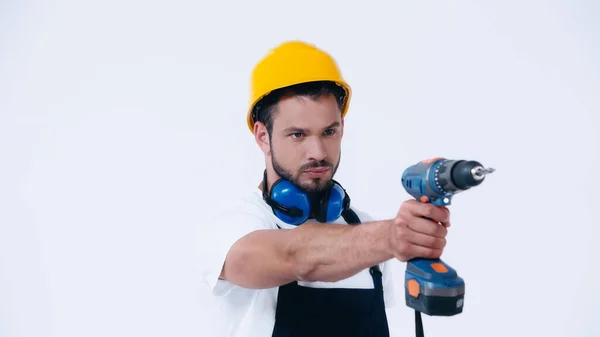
431,286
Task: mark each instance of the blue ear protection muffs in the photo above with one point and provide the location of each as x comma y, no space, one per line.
294,206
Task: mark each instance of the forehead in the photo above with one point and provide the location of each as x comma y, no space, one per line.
306,112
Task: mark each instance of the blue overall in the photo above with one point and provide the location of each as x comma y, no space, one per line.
317,312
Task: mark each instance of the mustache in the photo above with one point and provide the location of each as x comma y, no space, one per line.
315,164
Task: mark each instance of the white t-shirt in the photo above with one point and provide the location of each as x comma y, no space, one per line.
251,312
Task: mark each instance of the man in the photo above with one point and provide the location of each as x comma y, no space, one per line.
295,258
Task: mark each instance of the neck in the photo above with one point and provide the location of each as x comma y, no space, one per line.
268,181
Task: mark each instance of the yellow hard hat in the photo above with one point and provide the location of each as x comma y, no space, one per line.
293,62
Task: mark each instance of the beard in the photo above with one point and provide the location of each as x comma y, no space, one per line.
315,185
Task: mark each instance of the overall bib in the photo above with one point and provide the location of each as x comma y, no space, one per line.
317,312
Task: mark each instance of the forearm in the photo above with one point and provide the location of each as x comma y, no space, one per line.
333,252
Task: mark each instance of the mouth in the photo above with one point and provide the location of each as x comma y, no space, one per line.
317,172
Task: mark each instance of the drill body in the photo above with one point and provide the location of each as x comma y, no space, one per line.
432,286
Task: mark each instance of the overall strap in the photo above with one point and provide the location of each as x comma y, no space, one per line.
350,216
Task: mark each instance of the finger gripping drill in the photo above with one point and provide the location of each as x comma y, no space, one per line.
432,286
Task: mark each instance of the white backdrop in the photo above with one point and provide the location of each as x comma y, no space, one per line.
112,115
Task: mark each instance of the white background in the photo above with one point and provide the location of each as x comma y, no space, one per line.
122,124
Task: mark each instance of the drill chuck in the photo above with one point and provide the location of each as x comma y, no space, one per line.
467,174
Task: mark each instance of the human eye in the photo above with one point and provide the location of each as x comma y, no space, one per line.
297,135
330,132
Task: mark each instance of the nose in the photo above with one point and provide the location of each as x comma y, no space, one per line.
316,149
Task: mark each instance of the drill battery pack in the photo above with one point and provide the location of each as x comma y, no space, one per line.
433,288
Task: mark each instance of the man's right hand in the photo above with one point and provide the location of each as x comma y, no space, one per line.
416,231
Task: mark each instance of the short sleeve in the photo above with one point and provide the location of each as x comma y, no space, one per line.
387,268
221,231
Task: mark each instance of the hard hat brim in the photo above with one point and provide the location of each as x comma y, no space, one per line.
250,117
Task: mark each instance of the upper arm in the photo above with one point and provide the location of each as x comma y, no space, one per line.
240,248
259,260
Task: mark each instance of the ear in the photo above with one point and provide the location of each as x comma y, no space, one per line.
342,129
261,136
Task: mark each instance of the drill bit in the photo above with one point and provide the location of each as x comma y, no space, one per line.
480,172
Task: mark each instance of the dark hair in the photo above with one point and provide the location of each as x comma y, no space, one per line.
264,111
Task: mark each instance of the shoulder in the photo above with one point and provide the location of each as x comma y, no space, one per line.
233,219
247,209
225,225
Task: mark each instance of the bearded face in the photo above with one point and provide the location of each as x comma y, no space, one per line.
305,144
